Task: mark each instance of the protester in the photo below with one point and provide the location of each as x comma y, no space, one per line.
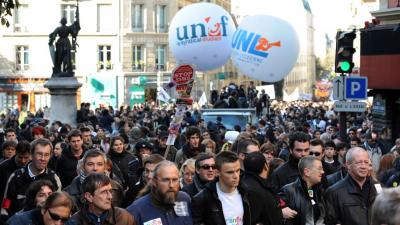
20,180
56,210
223,201
9,150
305,195
93,161
99,209
205,173
66,164
349,201
37,193
386,208
121,158
186,173
192,147
299,147
264,204
145,178
7,167
165,204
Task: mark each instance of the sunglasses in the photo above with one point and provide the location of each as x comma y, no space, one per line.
207,167
56,217
315,153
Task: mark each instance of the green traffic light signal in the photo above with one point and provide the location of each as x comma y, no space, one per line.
345,66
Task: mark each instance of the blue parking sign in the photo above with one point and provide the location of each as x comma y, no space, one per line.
356,88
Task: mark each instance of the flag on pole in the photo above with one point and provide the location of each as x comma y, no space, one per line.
203,99
162,95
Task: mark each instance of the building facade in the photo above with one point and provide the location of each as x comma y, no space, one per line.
380,57
26,51
123,55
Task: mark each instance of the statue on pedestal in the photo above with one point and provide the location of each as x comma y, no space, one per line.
61,56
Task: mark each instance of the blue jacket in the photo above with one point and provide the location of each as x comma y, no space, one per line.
147,208
32,217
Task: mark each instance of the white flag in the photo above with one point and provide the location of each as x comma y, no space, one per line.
162,95
203,99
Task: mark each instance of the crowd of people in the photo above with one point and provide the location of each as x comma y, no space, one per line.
115,167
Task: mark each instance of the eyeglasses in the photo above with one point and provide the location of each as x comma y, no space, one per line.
315,153
207,167
56,217
168,181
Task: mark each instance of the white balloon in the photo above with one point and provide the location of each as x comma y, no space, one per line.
201,34
265,48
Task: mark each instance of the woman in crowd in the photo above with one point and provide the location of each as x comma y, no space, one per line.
121,158
187,172
56,210
210,145
37,194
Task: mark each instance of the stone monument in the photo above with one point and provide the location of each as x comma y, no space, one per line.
63,85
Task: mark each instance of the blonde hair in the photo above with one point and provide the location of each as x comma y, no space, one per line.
188,163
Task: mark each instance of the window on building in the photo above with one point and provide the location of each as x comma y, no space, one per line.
161,18
21,18
138,58
104,62
68,12
137,17
104,21
22,58
161,57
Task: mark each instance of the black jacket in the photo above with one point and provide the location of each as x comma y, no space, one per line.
336,177
345,204
17,185
264,204
207,208
6,169
195,187
122,160
285,174
296,196
66,166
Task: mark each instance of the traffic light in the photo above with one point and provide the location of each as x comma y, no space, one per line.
344,51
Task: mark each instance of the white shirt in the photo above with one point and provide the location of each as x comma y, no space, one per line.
232,206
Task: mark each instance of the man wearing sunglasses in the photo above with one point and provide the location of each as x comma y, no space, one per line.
317,149
98,209
205,172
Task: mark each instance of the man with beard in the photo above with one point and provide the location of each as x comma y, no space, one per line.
205,172
192,147
299,147
98,209
165,204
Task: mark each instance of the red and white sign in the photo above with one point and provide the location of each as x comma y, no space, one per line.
183,74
